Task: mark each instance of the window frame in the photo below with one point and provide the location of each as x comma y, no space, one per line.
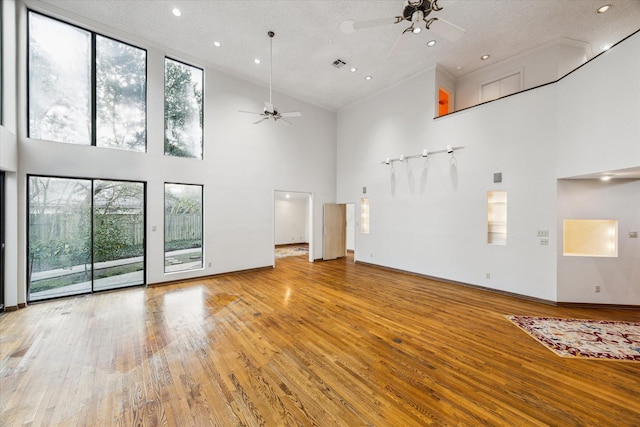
164,220
93,86
164,96
92,229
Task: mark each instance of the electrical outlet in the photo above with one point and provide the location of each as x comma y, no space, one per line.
633,234
487,275
209,263
544,242
543,233
597,289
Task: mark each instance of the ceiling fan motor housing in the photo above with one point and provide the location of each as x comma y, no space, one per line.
424,6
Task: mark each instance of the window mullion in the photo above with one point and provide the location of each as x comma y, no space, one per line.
93,90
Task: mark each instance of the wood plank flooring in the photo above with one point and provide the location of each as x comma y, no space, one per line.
306,344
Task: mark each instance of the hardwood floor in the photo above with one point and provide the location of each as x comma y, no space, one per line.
325,343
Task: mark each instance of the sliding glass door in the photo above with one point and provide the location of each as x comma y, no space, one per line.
118,234
84,235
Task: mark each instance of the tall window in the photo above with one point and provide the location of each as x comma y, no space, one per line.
120,95
183,109
59,81
182,227
64,103
84,235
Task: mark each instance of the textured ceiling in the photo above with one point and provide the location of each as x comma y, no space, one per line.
308,37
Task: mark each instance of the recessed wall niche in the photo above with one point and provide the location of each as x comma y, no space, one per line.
497,217
364,215
590,237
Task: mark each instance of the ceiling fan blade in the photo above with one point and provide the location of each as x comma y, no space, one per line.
446,29
291,114
268,106
351,26
283,122
249,112
401,40
261,120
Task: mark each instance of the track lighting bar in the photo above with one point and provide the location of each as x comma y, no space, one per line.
448,149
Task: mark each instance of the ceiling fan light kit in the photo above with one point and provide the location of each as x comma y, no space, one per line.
270,112
417,14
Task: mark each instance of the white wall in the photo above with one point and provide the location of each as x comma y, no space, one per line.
351,227
291,221
430,217
8,141
539,66
9,151
243,165
599,113
618,277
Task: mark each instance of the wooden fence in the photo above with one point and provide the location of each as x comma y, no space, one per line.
71,226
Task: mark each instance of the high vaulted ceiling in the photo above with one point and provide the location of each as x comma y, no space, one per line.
308,37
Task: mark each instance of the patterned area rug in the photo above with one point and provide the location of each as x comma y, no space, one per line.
286,251
584,338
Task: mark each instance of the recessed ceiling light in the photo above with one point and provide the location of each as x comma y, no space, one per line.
288,196
176,11
431,43
603,9
353,69
485,57
459,67
417,30
605,177
217,44
330,41
257,60
606,47
368,77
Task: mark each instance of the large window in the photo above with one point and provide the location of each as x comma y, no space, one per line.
182,227
59,81
84,235
183,109
65,105
120,95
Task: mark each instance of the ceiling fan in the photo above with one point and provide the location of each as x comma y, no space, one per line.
270,111
416,13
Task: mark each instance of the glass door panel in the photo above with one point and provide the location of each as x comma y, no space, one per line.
118,234
59,245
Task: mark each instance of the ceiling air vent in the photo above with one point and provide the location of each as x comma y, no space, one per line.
338,63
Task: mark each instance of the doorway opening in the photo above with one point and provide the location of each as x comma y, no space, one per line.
293,224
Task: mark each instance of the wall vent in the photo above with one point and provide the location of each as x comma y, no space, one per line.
338,63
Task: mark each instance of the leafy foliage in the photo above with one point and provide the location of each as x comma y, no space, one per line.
120,95
183,115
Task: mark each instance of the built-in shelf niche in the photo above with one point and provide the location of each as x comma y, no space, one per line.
364,215
497,217
590,237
